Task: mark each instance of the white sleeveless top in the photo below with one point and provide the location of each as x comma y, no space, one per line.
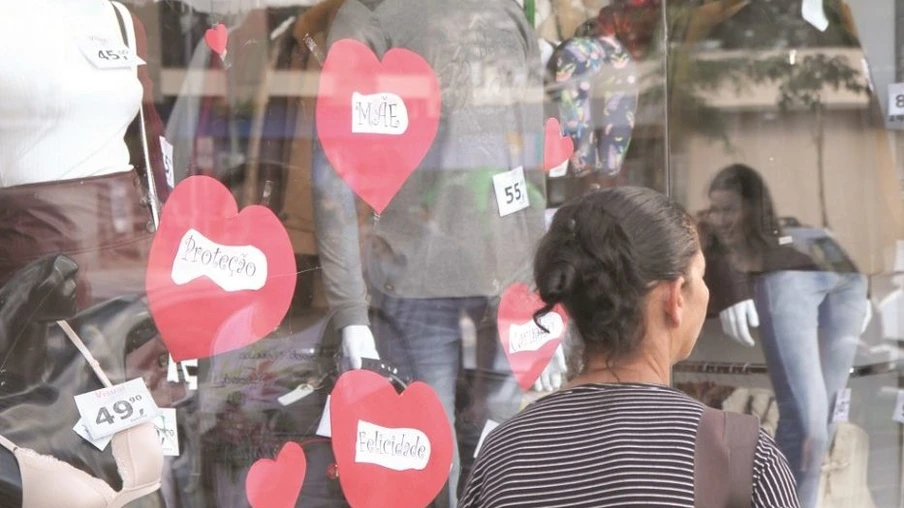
61,118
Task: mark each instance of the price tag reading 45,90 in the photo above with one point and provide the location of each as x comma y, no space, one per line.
110,410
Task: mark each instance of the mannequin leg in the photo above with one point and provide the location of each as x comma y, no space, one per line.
841,318
422,337
788,303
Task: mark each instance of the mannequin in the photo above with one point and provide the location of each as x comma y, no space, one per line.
811,313
594,83
68,145
440,252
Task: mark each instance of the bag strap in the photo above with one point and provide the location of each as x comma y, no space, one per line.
128,38
726,443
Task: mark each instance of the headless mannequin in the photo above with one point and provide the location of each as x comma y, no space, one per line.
441,250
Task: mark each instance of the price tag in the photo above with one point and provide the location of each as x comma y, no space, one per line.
82,430
325,428
166,424
511,191
110,410
896,99
842,406
898,415
487,428
106,53
166,150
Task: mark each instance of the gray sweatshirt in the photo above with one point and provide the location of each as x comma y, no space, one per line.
442,235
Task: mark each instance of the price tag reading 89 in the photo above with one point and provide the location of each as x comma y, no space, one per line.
110,410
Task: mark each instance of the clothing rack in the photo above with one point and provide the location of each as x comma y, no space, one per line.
748,368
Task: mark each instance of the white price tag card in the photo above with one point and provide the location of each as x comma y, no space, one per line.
898,416
105,53
490,425
511,191
166,150
325,427
896,99
110,410
842,406
82,430
165,423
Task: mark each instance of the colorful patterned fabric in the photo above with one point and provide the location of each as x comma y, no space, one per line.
595,90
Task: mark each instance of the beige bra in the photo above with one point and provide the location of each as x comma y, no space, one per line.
51,483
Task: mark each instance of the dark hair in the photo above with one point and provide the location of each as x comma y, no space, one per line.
602,255
760,226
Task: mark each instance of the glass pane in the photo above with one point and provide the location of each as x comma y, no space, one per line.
782,146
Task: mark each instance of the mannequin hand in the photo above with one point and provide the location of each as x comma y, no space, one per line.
357,343
554,374
735,321
867,317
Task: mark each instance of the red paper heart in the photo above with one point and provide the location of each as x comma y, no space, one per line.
375,164
217,280
277,483
367,398
556,148
216,38
528,348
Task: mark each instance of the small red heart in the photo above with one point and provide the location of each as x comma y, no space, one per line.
528,348
392,450
376,120
556,148
217,280
217,37
277,483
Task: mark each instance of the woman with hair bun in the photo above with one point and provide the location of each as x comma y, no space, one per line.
626,265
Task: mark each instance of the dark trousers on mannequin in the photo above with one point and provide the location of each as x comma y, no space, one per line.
810,324
423,338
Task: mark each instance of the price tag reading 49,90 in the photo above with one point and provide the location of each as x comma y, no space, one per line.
110,410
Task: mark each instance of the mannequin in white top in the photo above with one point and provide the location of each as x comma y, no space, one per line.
71,88
61,117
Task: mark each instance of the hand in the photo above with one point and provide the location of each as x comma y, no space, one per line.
553,375
735,321
357,343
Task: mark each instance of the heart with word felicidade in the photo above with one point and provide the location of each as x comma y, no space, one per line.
217,280
277,483
528,347
392,450
376,120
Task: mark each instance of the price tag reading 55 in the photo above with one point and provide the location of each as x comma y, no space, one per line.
511,191
110,410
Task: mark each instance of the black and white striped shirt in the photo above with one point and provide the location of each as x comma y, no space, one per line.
608,445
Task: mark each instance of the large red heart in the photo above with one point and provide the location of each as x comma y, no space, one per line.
392,450
216,38
528,348
217,280
556,148
376,121
277,483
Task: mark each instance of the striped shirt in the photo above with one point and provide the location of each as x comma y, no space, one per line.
608,445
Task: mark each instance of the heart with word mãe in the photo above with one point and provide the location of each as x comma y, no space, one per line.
393,450
376,120
277,483
217,280
217,37
557,149
529,349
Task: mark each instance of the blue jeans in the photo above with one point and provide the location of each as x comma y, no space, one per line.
423,338
810,323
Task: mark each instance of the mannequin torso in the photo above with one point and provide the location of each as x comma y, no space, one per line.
62,117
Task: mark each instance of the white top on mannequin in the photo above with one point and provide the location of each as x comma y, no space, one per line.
61,118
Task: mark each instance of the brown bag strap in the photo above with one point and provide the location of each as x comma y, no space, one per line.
726,443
